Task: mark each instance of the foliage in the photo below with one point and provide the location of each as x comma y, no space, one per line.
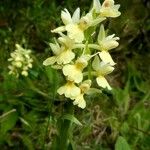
30,109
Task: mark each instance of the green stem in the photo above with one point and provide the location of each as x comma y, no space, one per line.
64,126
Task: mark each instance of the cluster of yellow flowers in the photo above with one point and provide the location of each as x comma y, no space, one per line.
20,61
73,51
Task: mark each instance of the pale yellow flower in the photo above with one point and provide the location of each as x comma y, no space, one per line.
76,31
71,25
74,72
106,43
64,57
63,54
79,100
75,26
57,50
102,69
107,9
70,90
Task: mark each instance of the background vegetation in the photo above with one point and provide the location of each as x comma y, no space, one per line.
30,108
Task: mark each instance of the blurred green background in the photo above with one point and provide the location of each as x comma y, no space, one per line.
30,107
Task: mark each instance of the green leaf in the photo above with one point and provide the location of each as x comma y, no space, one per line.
8,121
122,144
124,128
72,119
24,122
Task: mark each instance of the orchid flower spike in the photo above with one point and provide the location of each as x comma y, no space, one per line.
21,61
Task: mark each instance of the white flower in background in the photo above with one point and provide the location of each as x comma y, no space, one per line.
20,61
70,90
107,9
106,43
79,100
102,69
74,72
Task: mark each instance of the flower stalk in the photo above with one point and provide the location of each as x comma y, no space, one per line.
64,126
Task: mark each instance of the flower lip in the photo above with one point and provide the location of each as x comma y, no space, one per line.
70,90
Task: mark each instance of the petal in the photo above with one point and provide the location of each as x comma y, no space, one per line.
109,9
18,47
59,29
55,48
61,90
82,104
68,69
78,77
96,63
108,43
110,37
101,81
56,67
69,90
67,93
82,61
106,69
73,73
74,32
108,3
24,73
65,57
66,17
79,100
49,61
76,16
106,58
65,40
115,14
75,91
96,5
